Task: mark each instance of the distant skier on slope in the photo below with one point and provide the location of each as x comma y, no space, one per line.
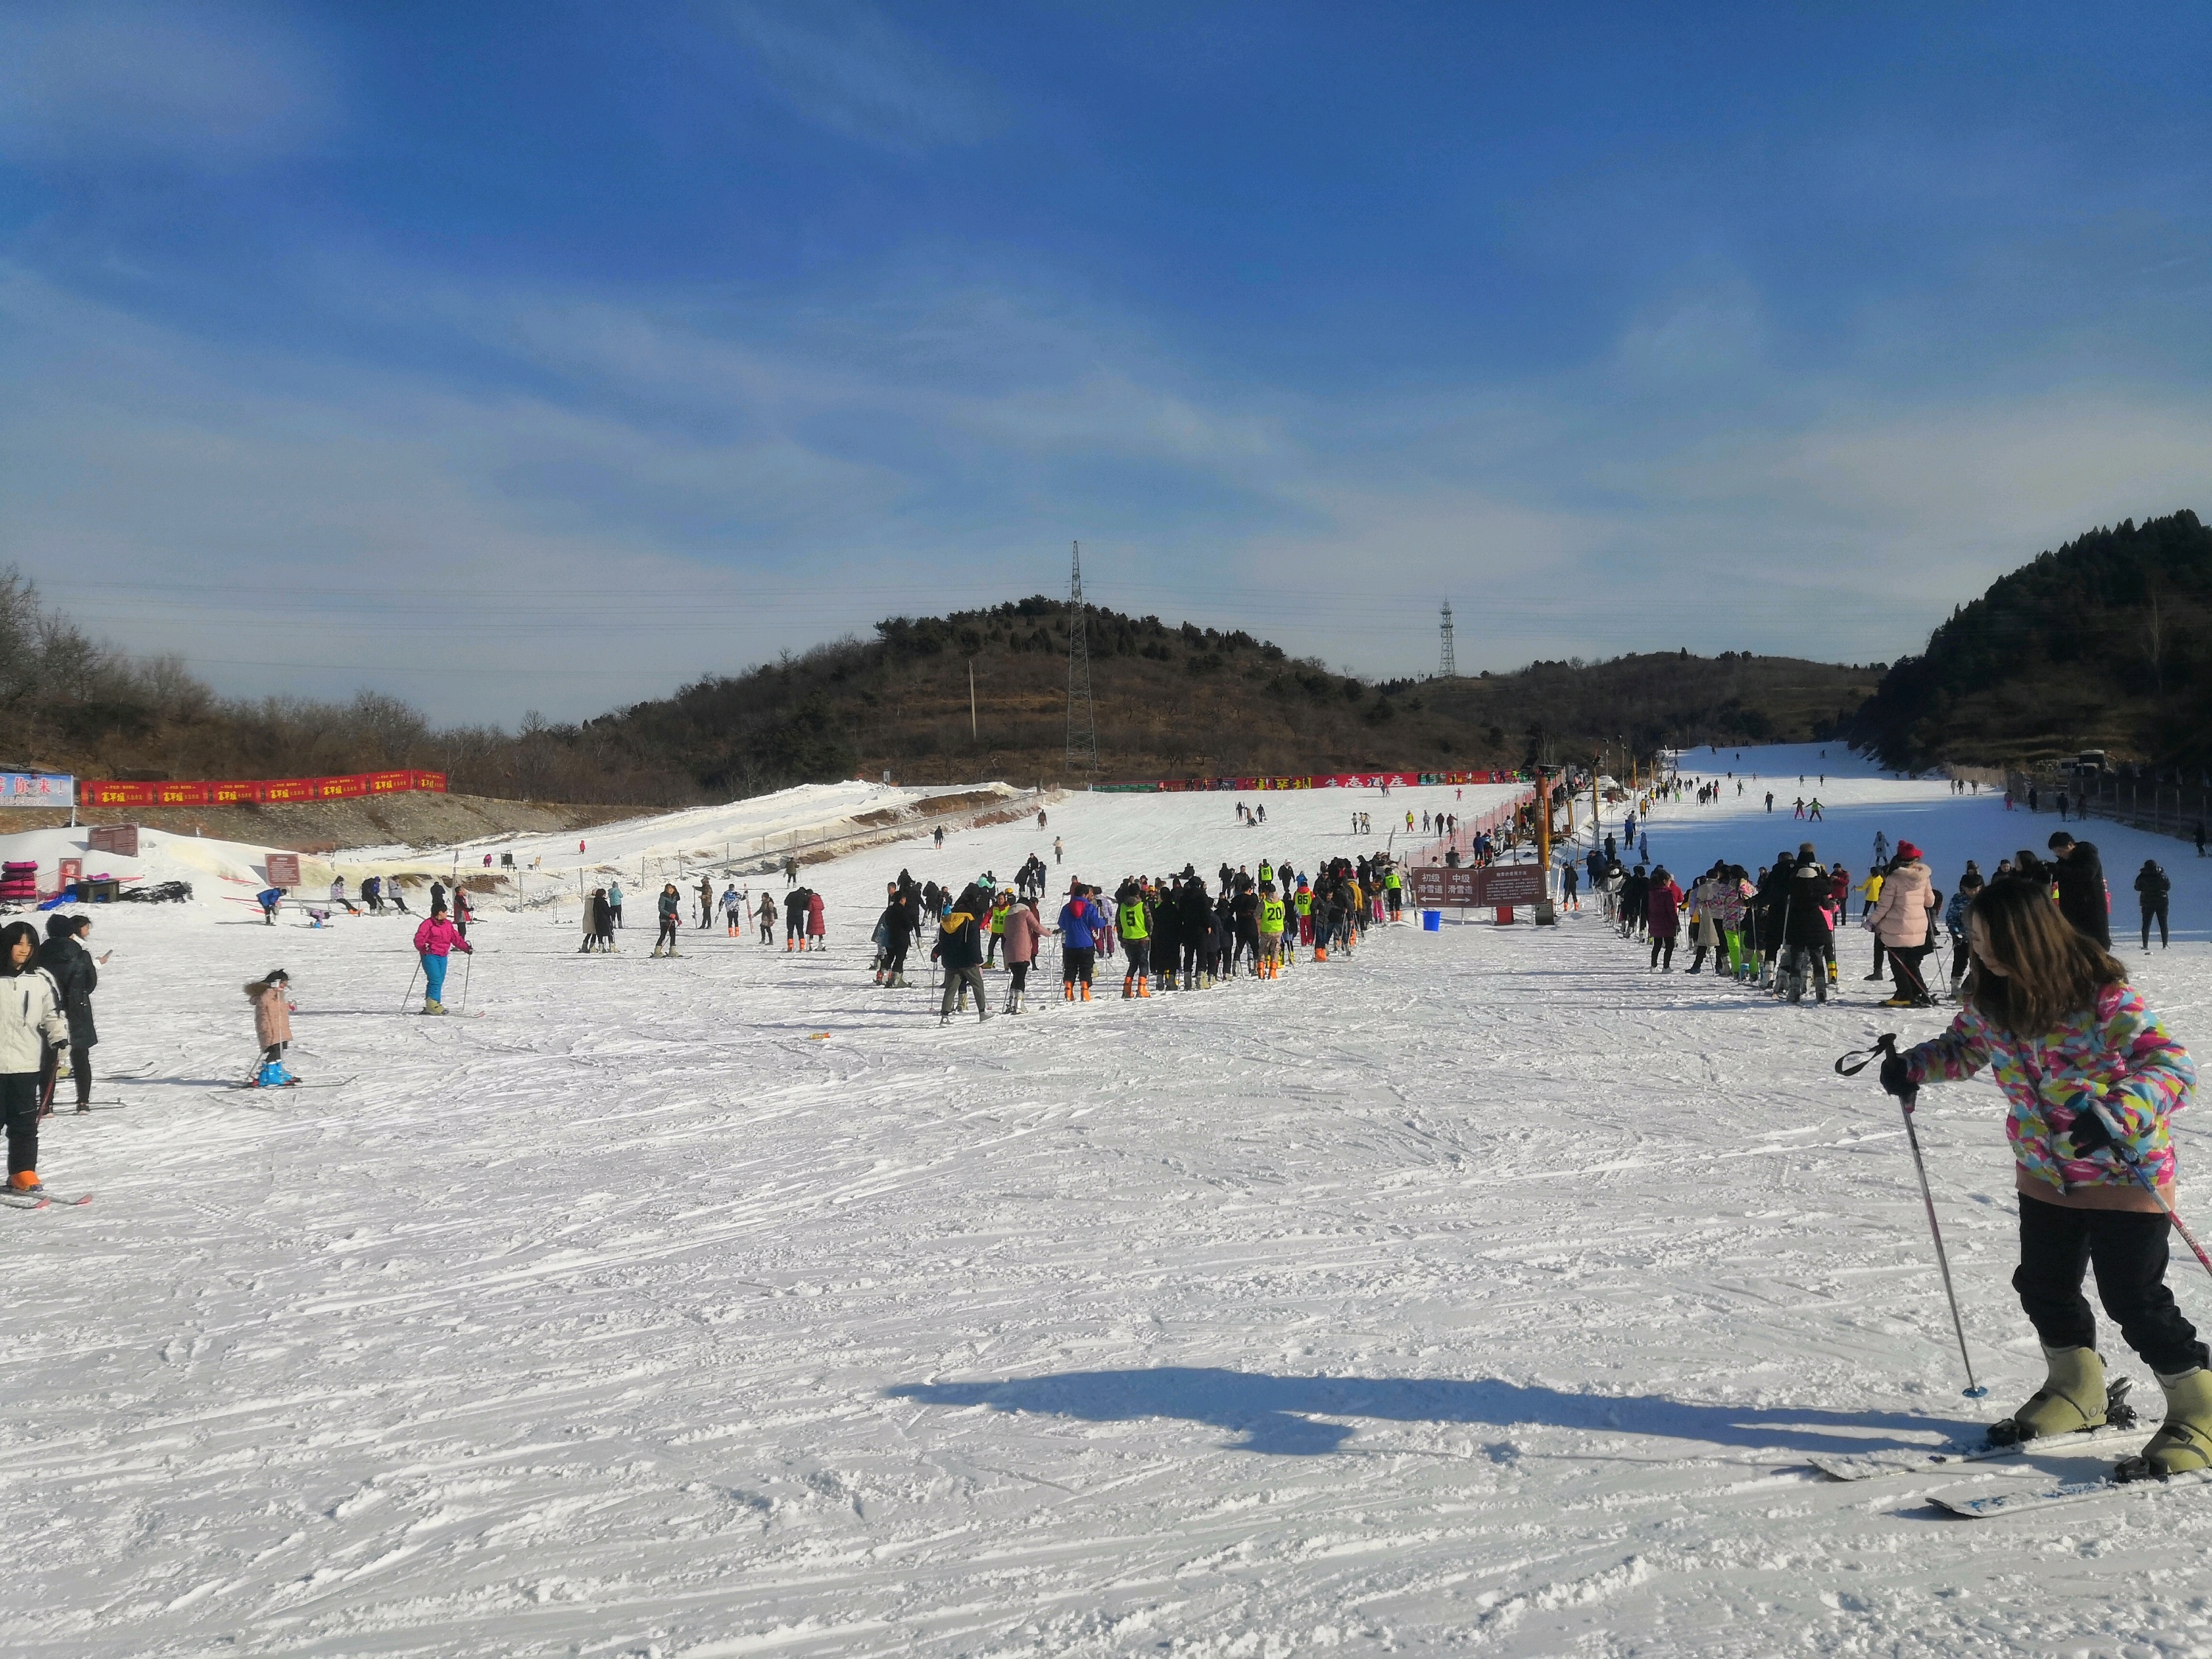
669,907
436,940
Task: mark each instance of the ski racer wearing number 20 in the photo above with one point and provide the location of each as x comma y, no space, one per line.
2092,1076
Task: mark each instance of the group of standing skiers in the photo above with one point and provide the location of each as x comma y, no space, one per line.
1172,931
45,1018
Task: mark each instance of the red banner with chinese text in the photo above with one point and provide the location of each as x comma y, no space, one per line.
238,792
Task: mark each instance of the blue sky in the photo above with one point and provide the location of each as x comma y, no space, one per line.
511,357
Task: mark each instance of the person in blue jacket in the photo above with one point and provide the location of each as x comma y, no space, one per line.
1080,923
270,897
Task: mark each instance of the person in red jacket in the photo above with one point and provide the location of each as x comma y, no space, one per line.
1664,919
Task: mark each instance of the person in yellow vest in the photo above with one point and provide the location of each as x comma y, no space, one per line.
1271,931
1132,919
1872,888
1000,906
1302,903
1392,891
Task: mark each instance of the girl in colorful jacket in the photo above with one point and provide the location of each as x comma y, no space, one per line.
2092,1076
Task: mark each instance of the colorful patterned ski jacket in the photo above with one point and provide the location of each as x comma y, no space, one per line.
2119,1052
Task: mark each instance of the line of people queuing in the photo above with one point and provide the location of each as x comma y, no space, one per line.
1171,932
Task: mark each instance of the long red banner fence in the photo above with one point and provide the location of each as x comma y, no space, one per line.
1312,780
240,792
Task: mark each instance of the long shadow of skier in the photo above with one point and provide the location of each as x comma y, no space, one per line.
1274,1414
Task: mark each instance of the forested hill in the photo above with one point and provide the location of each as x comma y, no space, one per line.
1173,701
2103,644
1178,700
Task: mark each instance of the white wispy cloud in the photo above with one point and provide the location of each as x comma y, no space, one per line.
210,85
850,69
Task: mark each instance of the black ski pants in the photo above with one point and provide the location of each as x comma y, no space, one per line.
667,933
1140,956
1905,962
80,1055
2154,913
2128,1248
1076,962
19,1107
1662,946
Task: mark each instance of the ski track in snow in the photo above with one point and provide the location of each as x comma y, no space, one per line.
1481,1291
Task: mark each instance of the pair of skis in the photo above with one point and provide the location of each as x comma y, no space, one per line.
2121,1426
41,1200
2047,1495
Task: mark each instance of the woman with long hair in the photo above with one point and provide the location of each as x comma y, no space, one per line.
2091,1077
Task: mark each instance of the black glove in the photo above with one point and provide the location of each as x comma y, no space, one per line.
2088,1132
1897,1077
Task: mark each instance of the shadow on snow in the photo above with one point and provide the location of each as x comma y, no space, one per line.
1275,1414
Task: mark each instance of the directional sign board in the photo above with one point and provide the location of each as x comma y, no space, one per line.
1469,887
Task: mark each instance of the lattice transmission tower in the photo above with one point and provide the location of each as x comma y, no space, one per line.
1447,667
1082,717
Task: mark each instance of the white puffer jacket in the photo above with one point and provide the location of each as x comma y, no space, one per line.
30,1018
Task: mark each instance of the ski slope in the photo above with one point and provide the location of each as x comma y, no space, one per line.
1481,1291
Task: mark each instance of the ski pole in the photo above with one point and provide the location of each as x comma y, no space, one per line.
1887,1045
465,974
410,994
2150,1186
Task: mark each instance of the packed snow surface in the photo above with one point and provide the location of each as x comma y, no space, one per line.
1481,1289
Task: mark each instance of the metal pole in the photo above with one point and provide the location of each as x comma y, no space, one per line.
1974,1390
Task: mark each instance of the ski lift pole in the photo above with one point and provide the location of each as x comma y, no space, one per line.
1887,1045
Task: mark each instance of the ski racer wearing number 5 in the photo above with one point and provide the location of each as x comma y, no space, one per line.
2092,1076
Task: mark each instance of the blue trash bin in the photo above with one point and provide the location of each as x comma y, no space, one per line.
1432,922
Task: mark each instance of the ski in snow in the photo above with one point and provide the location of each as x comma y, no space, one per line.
2063,1492
42,1201
1875,1464
2120,1422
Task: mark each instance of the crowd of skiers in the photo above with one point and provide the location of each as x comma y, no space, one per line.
1777,929
1171,932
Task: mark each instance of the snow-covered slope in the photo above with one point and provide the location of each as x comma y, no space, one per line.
1482,1290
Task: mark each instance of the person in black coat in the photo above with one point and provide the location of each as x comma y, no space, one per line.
76,976
2152,888
2081,899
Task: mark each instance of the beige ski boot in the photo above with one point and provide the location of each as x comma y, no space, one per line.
2183,1441
2072,1398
